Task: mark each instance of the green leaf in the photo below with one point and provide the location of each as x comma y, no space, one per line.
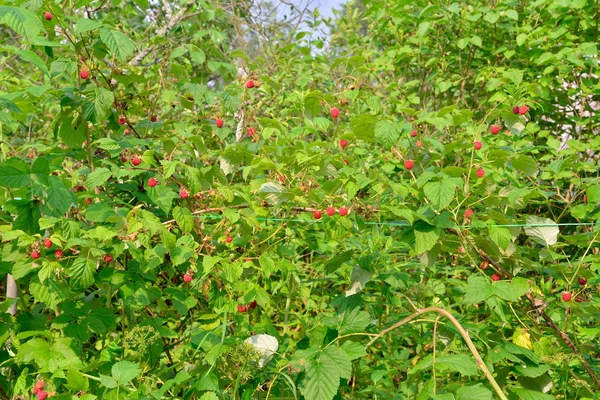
512,14
14,173
525,394
58,198
184,219
354,350
125,371
441,193
387,133
72,132
525,164
478,392
28,215
501,236
336,358
31,57
353,321
478,289
322,381
97,104
267,264
461,363
82,273
426,236
108,381
41,169
85,25
118,43
98,177
543,231
22,21
593,194
363,127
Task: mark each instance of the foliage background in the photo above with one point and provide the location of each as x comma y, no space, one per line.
128,326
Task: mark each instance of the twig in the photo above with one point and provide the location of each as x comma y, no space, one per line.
163,31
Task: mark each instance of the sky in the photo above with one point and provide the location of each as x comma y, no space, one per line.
326,6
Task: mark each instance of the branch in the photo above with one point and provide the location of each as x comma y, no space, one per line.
535,305
163,31
463,333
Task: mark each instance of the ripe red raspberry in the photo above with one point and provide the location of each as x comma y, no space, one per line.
219,123
413,133
251,131
330,211
523,110
566,296
48,16
495,277
253,304
184,194
582,281
153,118
494,129
516,110
38,387
335,112
42,395
187,278
152,182
343,143
58,253
317,215
480,173
477,144
468,214
419,144
136,161
35,255
343,211
84,74
48,243
108,258
242,308
228,239
250,84
88,200
122,120
409,164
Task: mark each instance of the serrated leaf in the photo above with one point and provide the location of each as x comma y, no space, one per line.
117,42
478,392
478,290
359,278
363,127
353,321
544,230
525,394
31,57
354,350
15,173
321,382
426,236
184,219
125,371
387,133
58,198
336,358
98,177
82,272
441,193
97,104
72,132
461,363
85,25
22,21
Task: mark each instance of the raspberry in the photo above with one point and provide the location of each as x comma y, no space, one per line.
477,144
250,84
343,211
48,243
413,133
317,215
494,129
187,278
184,194
343,143
330,211
136,161
495,277
48,16
335,112
84,74
480,173
468,214
152,182
219,123
409,164
523,110
566,296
